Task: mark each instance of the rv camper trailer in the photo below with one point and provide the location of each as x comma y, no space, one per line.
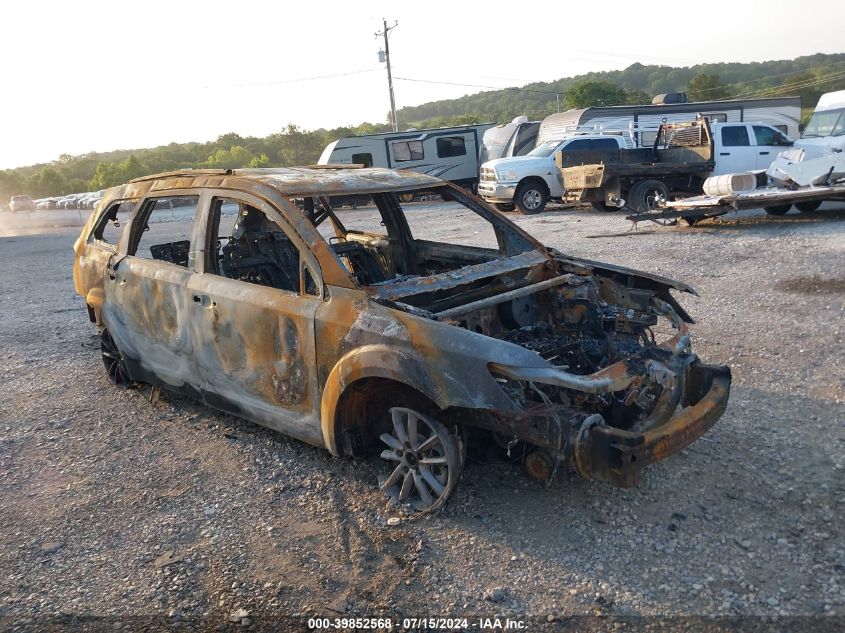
450,153
516,138
643,121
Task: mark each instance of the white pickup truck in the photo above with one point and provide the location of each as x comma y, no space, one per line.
528,182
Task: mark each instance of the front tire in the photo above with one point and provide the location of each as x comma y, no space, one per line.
780,209
426,459
531,198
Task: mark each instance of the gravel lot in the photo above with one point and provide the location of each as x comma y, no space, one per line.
132,513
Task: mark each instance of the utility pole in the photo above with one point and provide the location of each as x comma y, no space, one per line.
386,58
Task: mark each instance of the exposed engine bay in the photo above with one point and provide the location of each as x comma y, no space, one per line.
574,327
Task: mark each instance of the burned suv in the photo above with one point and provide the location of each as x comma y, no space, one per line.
247,290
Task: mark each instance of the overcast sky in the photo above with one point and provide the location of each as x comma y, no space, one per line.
96,76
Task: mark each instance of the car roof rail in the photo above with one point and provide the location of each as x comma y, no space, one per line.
186,172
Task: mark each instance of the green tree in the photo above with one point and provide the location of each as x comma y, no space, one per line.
231,158
371,128
707,87
635,96
298,147
584,94
229,139
111,174
11,184
259,161
133,168
105,175
48,182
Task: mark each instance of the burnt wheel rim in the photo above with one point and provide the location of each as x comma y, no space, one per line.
425,460
113,361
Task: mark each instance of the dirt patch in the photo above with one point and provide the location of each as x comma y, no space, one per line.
813,285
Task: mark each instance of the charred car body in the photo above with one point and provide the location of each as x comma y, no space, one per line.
359,341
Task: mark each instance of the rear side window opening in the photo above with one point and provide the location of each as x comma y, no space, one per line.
362,159
248,246
407,150
735,136
163,229
451,146
110,226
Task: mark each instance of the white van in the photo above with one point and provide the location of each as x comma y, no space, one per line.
826,130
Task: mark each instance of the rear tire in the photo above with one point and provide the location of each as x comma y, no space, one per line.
644,194
808,207
603,206
113,362
504,207
780,209
531,197
406,197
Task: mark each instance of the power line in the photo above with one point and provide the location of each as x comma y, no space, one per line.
767,77
300,79
463,85
798,85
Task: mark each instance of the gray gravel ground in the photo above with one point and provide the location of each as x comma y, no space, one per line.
115,508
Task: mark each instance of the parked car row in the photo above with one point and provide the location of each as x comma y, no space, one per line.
87,200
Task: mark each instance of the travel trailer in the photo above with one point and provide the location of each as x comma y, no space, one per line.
450,153
516,138
783,113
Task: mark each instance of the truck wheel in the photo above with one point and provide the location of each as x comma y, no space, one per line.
406,197
808,207
603,206
644,194
504,207
531,197
780,209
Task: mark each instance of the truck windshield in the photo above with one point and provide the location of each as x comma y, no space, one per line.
826,123
545,149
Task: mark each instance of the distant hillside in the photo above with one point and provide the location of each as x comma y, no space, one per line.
804,76
807,77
